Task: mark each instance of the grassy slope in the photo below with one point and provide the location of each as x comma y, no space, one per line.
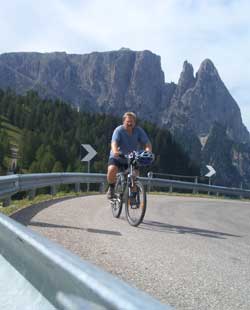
13,132
24,203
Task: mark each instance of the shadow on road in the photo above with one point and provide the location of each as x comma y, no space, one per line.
91,230
102,231
25,215
164,227
49,225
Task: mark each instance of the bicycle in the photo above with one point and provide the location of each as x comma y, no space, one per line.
129,189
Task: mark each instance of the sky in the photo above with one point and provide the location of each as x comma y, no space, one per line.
176,30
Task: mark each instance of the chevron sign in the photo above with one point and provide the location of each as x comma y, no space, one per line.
210,172
91,152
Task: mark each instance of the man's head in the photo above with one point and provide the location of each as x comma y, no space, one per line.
129,120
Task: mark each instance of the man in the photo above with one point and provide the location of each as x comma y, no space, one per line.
126,138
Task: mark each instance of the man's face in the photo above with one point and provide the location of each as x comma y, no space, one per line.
129,122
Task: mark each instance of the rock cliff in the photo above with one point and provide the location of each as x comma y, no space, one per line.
118,81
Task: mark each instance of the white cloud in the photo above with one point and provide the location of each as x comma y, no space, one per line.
177,30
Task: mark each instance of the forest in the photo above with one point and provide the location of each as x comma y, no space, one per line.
51,133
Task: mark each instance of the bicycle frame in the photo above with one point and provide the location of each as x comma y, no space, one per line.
130,190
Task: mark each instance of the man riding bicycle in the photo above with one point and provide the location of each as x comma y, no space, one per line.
126,138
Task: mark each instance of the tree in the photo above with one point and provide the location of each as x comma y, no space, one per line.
58,167
4,148
28,146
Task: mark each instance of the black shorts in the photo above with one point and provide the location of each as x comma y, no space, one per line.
120,164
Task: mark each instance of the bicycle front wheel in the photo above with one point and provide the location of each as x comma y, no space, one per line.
116,205
116,202
135,204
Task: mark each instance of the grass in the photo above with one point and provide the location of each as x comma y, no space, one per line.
13,132
17,205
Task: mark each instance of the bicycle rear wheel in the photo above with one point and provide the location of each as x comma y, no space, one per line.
135,206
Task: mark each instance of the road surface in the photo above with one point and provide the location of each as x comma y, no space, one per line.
191,253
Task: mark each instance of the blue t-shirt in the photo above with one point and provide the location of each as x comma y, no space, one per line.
128,143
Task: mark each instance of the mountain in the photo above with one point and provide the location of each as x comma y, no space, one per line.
97,82
203,100
118,81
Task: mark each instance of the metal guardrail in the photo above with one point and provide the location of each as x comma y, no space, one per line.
50,277
9,185
196,187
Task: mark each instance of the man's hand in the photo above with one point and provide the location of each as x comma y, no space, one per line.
116,154
148,147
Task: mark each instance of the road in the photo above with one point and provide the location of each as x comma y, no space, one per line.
191,253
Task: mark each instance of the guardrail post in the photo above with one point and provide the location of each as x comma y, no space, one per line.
209,183
150,176
6,202
77,187
195,181
102,188
31,194
241,187
53,190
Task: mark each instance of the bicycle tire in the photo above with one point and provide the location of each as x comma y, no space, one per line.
135,212
116,206
116,203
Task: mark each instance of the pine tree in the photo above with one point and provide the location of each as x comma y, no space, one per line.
58,167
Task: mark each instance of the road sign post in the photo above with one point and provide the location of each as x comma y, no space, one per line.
91,154
210,173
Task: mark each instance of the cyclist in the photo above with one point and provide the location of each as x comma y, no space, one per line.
126,138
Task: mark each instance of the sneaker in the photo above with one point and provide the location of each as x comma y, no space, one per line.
132,194
111,192
132,198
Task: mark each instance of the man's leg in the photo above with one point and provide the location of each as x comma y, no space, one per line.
111,178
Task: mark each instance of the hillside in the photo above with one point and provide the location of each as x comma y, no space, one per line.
49,135
10,141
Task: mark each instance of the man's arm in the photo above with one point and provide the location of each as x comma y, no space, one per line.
114,148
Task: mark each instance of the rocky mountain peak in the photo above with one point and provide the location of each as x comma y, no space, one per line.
187,72
186,79
207,71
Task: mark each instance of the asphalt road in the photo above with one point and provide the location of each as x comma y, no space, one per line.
191,253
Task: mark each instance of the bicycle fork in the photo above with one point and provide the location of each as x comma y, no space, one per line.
132,187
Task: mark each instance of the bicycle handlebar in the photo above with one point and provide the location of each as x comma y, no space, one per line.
134,157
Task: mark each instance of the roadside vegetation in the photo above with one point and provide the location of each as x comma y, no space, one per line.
19,204
10,136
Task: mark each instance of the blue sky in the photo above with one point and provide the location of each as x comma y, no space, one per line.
177,30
